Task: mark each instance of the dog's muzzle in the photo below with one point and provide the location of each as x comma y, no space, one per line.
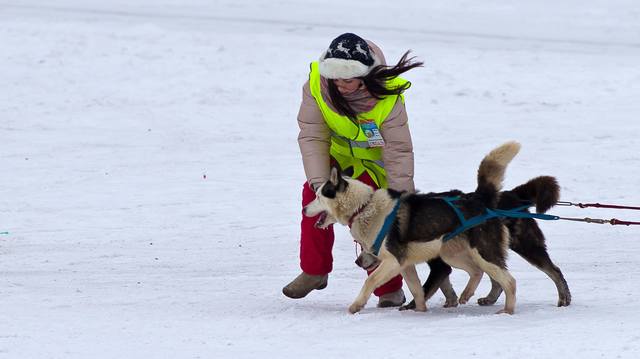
367,261
321,219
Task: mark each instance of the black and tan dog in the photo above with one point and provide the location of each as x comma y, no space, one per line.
525,238
417,232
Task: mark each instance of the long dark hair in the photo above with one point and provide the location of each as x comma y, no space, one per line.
375,81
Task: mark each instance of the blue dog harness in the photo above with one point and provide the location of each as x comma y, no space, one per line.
518,212
386,226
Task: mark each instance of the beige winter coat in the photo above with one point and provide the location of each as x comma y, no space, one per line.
314,141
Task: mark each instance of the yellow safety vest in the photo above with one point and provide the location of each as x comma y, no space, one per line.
349,145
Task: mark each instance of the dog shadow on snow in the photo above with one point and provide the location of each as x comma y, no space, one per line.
435,310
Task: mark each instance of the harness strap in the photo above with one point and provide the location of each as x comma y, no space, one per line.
465,224
386,226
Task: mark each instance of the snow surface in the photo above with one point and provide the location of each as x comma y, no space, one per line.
150,175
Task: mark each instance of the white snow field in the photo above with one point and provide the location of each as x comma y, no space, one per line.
150,176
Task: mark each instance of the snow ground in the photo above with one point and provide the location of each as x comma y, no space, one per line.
151,178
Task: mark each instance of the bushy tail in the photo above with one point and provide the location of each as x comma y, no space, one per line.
491,172
544,191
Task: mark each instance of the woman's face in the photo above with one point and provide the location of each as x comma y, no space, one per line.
347,86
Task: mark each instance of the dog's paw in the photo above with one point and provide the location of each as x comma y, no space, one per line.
465,296
486,301
506,311
564,301
451,304
411,305
421,308
355,308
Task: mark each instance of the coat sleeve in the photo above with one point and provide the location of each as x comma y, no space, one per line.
398,149
313,139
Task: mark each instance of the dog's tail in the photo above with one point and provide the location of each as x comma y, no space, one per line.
544,191
491,172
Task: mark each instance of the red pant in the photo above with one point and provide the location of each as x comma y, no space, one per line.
316,244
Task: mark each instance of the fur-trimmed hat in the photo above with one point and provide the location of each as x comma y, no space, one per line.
347,57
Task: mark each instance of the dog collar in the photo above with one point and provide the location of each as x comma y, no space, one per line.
358,211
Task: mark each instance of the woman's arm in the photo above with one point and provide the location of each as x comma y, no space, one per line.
314,140
398,149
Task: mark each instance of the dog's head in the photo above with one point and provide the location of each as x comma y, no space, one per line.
337,199
324,206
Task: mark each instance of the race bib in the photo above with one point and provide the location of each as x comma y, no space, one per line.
370,129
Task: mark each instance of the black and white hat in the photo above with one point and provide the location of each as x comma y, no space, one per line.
347,57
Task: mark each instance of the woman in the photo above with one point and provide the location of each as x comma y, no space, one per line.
352,114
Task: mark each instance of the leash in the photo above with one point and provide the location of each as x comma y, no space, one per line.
613,221
597,205
386,226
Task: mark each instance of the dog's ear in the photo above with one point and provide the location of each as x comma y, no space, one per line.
348,172
330,187
337,179
334,175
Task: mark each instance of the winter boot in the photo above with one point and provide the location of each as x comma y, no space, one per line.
304,284
393,299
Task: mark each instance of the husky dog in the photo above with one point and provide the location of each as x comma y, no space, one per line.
525,238
417,232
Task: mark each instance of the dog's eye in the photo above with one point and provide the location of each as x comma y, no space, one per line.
329,190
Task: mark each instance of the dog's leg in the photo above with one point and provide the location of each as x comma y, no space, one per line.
457,253
451,298
388,268
493,295
564,295
441,272
508,284
413,281
438,277
496,269
504,278
499,273
539,257
464,260
475,275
